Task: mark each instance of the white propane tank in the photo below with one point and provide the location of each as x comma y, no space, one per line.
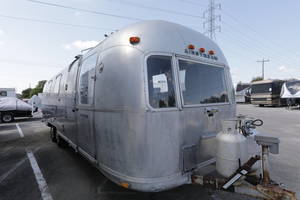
231,147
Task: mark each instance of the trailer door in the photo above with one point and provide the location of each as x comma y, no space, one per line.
85,114
70,125
205,102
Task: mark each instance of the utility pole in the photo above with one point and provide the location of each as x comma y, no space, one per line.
263,61
210,17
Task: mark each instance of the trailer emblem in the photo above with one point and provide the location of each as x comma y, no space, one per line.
200,53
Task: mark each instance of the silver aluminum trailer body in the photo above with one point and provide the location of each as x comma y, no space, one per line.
140,111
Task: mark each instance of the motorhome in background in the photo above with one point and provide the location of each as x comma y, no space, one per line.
243,93
7,92
291,92
267,92
145,105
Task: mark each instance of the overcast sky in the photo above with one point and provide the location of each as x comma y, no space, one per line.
37,41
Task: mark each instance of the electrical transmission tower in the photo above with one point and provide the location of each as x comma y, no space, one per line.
263,61
210,26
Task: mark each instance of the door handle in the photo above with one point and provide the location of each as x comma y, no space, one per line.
211,111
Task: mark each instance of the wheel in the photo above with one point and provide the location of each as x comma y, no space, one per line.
61,142
261,105
7,117
53,134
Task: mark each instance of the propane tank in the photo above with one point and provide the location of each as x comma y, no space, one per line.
231,148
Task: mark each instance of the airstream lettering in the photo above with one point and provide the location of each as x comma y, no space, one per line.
142,110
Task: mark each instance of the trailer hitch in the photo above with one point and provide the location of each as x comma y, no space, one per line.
260,187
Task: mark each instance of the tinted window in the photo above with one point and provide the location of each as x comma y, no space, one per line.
87,71
261,88
160,82
3,93
202,83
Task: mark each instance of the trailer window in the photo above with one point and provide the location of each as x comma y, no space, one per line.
202,83
86,81
3,93
56,84
160,82
49,85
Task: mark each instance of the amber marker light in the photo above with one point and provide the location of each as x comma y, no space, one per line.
211,52
202,50
190,46
134,40
125,185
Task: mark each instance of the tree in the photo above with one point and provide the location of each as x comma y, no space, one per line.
38,89
26,93
29,92
259,78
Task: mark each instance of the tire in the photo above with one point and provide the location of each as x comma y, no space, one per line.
7,117
53,134
61,142
261,105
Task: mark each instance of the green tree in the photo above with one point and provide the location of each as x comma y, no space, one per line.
26,93
259,78
38,89
29,92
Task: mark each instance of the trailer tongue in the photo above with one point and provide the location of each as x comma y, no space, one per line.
244,179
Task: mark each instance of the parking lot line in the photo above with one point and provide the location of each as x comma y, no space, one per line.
20,130
4,176
45,193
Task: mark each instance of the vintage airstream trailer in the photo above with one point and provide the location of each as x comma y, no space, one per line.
144,105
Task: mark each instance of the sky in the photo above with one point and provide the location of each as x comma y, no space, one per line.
38,40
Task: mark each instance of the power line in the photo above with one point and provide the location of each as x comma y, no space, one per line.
254,50
210,19
271,43
84,10
53,22
250,48
263,61
194,3
155,8
255,44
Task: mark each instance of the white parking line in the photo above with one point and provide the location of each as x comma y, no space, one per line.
45,193
20,130
4,176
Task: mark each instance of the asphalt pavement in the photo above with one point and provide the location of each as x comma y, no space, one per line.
32,167
285,124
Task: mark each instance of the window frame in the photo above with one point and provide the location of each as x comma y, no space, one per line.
205,63
175,82
80,63
59,76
